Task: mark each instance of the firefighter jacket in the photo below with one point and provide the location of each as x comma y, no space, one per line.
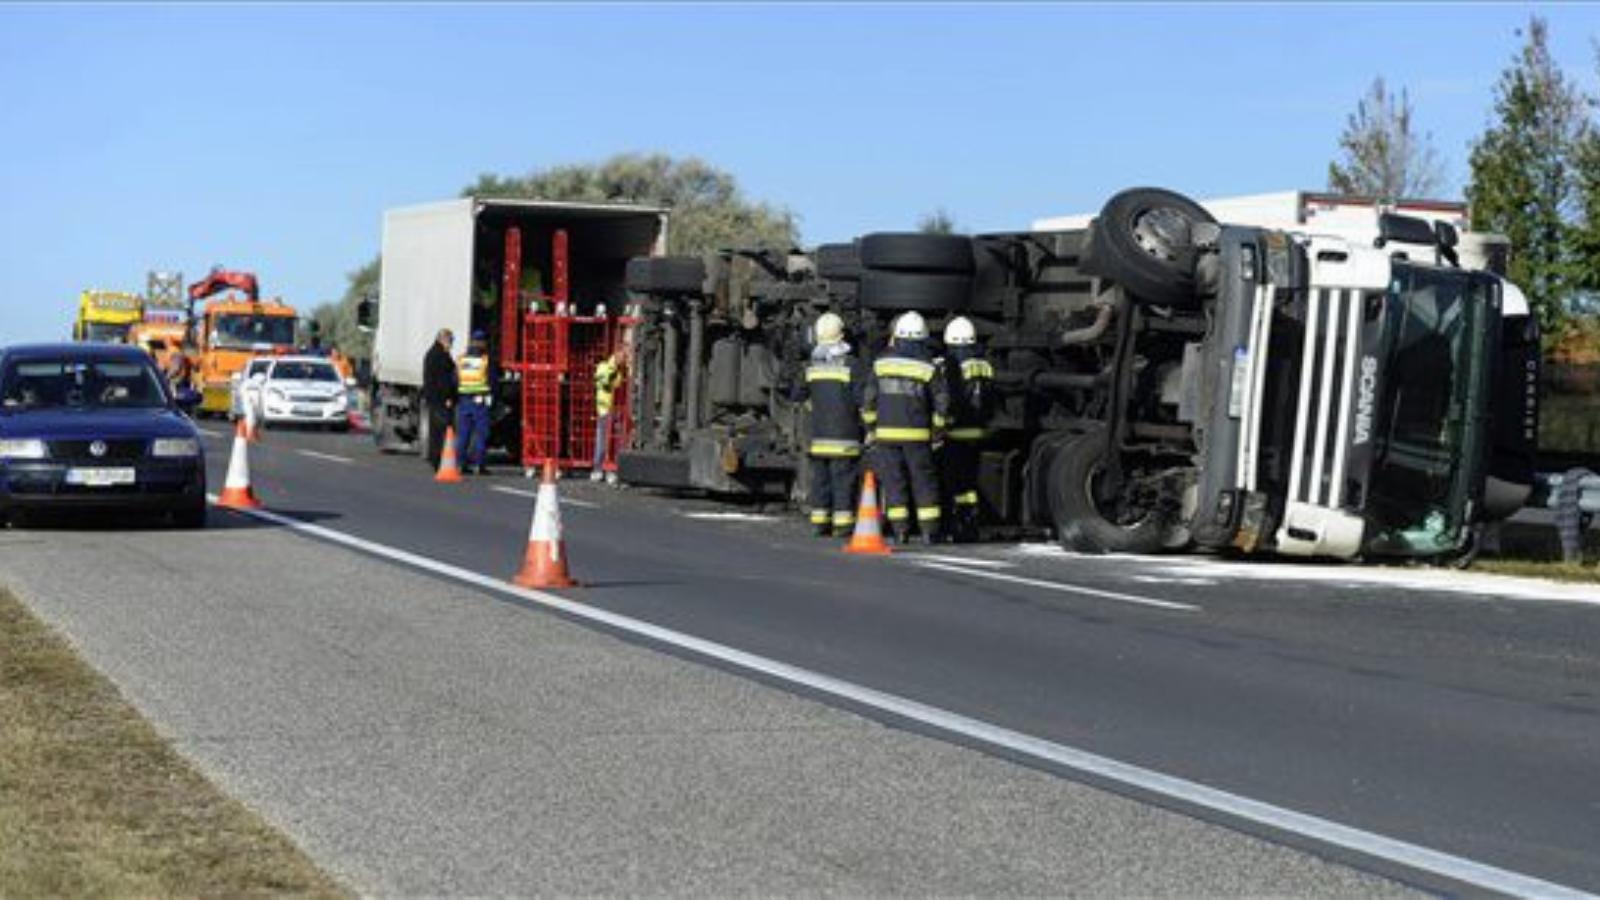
607,376
906,399
472,375
971,383
832,391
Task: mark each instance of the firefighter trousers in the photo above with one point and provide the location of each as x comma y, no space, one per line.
832,492
908,474
958,474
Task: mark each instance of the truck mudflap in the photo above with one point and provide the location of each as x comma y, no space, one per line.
719,464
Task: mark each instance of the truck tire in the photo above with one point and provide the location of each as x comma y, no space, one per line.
666,275
1081,524
917,252
838,262
898,291
1142,240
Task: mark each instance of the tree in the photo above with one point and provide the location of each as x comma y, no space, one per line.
1585,241
937,222
709,211
1523,183
337,321
1383,155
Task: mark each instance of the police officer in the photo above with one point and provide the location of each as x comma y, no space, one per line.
906,401
833,392
970,379
475,396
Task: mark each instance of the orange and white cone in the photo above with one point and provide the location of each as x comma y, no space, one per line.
236,492
252,422
449,471
868,536
545,565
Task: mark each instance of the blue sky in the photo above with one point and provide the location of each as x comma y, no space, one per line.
272,137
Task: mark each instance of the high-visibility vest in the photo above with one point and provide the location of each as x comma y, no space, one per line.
606,377
472,375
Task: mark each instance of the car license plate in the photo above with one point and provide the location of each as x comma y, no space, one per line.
308,410
99,477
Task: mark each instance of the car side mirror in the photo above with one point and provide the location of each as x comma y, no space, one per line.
366,314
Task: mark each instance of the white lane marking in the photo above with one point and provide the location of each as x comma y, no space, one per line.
209,433
728,517
1478,585
1166,579
1471,872
314,454
957,560
565,501
1065,588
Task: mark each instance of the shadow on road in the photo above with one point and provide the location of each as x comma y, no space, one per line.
85,520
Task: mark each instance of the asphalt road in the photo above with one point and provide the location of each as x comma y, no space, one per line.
420,736
1459,713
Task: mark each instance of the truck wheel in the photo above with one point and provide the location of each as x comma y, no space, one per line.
666,275
917,252
1143,241
1087,518
896,291
838,262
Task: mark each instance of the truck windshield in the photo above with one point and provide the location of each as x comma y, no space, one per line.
242,331
104,331
75,384
1433,338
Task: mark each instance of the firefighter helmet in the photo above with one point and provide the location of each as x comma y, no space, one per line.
910,327
960,333
830,328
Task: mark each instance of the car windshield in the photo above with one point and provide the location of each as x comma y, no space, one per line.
80,384
242,331
304,371
260,366
1432,345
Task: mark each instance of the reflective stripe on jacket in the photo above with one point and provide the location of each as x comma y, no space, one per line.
905,398
832,392
971,397
472,375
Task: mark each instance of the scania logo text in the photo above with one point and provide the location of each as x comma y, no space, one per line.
1366,389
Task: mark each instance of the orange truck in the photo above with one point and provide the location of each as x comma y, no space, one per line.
235,325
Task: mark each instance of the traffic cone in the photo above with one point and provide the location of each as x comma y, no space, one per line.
449,472
545,565
236,492
868,536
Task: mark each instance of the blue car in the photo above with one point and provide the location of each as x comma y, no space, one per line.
95,426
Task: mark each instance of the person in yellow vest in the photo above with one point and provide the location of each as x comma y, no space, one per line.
608,376
474,400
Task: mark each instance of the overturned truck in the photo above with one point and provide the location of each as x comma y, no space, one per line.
1164,380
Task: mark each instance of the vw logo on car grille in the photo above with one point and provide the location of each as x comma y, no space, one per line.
98,448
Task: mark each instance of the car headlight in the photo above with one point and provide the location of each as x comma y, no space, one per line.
175,447
22,448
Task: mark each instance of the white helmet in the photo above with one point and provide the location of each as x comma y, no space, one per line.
829,329
960,333
910,327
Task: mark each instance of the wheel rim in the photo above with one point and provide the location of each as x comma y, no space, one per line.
1161,232
1116,512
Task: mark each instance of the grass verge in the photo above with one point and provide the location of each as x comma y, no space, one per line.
1539,568
93,802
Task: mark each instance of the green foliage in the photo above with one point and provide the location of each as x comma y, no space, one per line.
709,211
1523,183
937,222
337,320
1585,241
1383,156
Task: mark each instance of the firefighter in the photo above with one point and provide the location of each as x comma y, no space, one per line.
970,380
833,392
906,402
608,377
474,399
